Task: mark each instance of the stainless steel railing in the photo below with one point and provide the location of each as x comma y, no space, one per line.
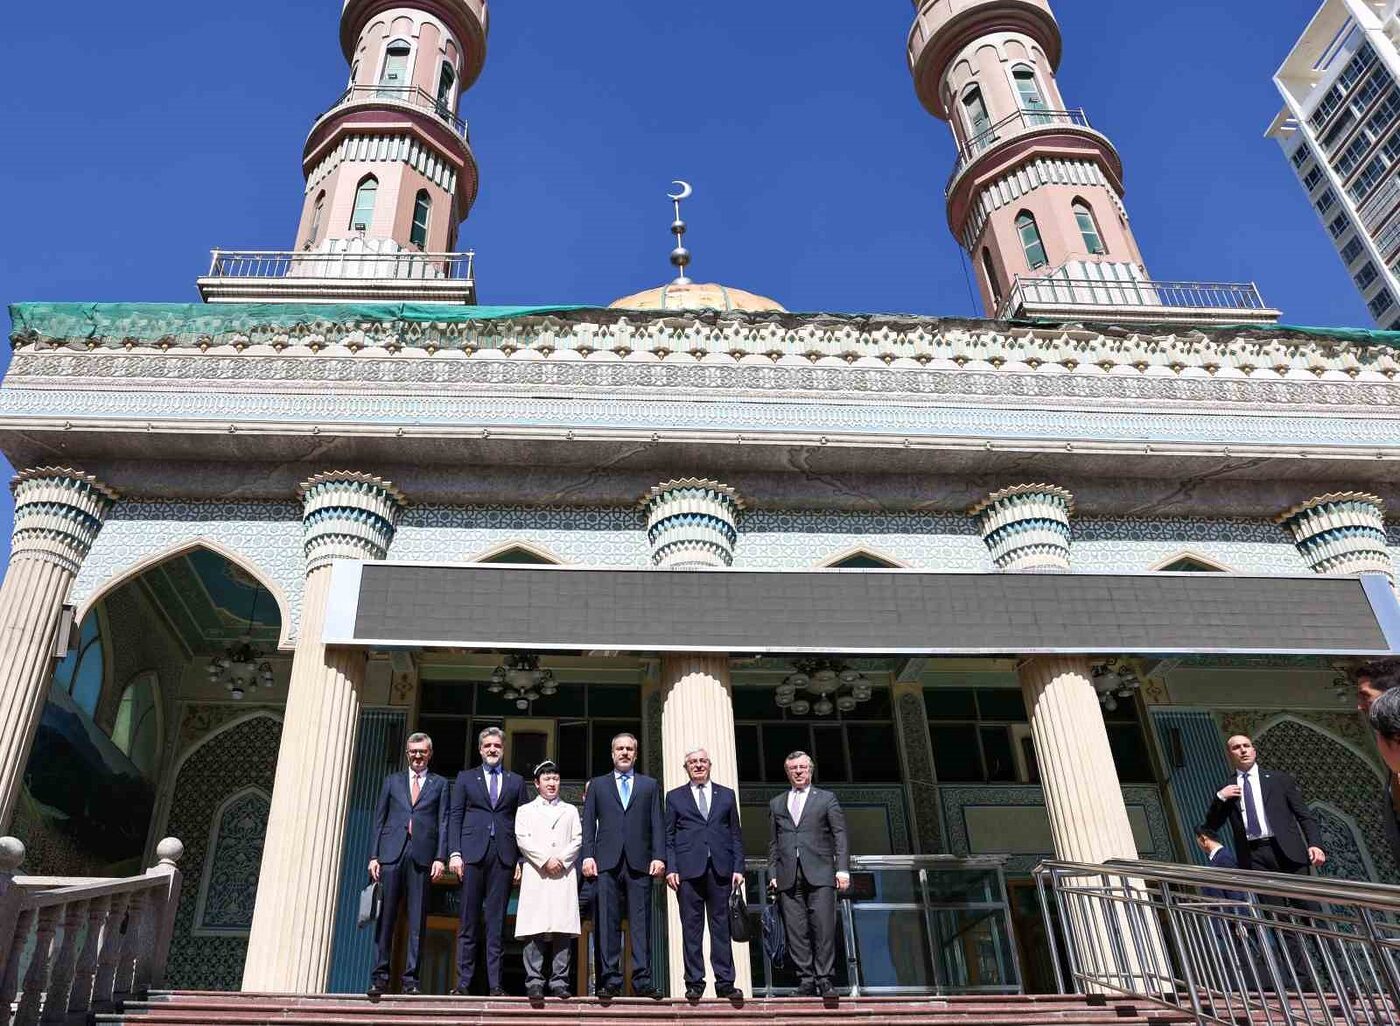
400,266
1227,945
1091,292
403,96
1008,128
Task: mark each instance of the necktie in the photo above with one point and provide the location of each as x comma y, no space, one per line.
415,788
495,786
703,802
1252,828
625,788
795,809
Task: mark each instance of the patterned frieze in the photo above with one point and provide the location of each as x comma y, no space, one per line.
1235,544
58,514
703,335
1026,527
348,515
1340,533
692,522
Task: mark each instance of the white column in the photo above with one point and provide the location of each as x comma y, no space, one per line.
698,712
58,513
346,516
691,522
1341,533
1026,527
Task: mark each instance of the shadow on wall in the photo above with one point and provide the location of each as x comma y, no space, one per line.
85,808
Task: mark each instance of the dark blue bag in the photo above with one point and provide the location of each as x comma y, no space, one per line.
774,936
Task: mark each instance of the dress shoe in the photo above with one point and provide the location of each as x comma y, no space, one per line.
461,990
561,992
807,988
826,989
694,993
728,990
498,992
606,992
376,988
410,988
648,992
534,992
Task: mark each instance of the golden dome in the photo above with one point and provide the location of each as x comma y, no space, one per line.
696,296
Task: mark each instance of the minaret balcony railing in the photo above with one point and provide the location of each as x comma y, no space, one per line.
1059,298
348,275
401,96
1010,127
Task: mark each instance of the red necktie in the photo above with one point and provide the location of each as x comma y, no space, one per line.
413,798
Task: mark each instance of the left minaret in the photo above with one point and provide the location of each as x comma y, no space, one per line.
390,173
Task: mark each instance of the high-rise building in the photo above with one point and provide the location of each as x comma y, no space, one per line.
1036,193
1341,107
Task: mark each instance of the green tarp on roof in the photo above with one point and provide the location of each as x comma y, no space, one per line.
163,320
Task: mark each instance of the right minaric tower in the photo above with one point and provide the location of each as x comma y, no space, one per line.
1036,193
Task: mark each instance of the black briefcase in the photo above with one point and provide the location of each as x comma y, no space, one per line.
774,936
740,928
369,905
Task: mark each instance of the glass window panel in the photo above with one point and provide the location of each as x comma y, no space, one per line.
1007,704
877,707
955,753
489,704
887,886
447,697
614,700
974,949
829,746
892,945
87,682
960,886
874,752
449,734
778,740
1129,753
570,700
422,207
950,703
750,755
364,204
755,704
997,754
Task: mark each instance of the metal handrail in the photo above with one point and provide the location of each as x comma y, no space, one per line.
1009,127
1107,292
1230,946
402,265
407,96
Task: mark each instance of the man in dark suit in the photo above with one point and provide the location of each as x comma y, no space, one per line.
1274,830
481,832
1219,857
704,862
810,861
624,846
408,850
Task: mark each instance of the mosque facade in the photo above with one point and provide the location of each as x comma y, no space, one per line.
1011,581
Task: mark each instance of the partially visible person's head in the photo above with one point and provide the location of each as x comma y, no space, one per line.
547,780
799,768
1385,721
1373,680
624,752
1241,751
420,751
697,765
1207,840
491,743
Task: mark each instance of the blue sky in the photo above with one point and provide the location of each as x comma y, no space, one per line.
139,136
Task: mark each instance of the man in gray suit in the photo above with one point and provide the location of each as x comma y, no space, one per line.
809,861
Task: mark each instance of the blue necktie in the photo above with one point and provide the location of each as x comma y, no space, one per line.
626,789
495,786
1252,829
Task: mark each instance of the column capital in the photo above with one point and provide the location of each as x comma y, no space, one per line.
692,522
348,515
58,513
1340,533
1026,527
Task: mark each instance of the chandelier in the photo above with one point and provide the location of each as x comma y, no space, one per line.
519,679
825,686
243,667
1114,680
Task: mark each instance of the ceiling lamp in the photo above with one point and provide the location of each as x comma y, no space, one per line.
519,679
822,687
243,667
1114,681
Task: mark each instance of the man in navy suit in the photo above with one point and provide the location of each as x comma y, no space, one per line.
704,862
481,833
624,846
1274,830
409,846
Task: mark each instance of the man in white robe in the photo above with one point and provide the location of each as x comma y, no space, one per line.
548,833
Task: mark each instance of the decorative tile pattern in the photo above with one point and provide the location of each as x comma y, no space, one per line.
800,538
591,536
1347,857
230,883
956,797
265,536
920,777
243,756
1115,544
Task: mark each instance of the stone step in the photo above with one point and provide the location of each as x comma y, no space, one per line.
211,1008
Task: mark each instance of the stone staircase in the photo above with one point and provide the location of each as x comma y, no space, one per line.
211,1008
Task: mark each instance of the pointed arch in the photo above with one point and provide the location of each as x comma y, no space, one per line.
861,557
1203,564
251,801
140,718
366,192
1369,758
518,552
1088,224
135,570
1032,244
